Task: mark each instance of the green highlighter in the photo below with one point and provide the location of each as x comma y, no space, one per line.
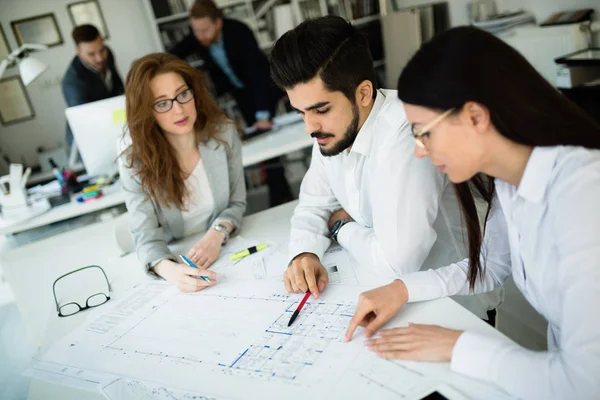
248,251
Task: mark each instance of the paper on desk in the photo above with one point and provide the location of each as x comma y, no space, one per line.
37,207
132,389
70,376
340,266
249,267
234,336
51,188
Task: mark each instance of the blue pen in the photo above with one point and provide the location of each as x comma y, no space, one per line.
191,264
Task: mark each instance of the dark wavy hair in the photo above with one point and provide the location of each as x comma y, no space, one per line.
328,47
150,154
468,64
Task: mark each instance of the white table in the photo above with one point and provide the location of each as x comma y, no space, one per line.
274,144
32,269
261,148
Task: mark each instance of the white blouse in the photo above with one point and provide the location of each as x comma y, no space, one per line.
200,204
546,233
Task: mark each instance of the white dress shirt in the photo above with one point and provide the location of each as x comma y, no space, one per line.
552,250
200,203
404,209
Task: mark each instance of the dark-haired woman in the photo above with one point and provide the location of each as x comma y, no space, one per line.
183,171
477,107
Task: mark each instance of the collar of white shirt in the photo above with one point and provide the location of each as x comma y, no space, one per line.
537,175
364,140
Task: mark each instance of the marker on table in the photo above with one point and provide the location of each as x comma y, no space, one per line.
191,264
295,314
248,251
57,172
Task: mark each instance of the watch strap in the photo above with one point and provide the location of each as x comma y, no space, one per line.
223,229
337,226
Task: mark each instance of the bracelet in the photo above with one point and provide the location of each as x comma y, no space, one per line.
223,229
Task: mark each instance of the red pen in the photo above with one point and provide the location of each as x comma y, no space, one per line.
295,314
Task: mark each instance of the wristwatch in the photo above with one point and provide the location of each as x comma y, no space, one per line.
337,226
223,229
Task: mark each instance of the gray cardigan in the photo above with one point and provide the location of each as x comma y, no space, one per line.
152,226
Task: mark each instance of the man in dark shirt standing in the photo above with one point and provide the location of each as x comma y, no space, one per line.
92,75
236,65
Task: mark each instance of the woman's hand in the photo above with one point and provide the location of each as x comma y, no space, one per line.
376,307
207,250
187,279
416,342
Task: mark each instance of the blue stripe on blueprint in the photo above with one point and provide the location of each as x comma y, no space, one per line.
238,359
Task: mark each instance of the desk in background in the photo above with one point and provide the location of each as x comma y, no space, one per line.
113,196
286,140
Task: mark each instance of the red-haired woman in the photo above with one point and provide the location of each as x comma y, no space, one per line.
183,170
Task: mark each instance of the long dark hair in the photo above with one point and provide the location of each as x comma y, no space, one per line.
467,64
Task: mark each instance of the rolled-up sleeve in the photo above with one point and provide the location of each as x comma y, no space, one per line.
310,233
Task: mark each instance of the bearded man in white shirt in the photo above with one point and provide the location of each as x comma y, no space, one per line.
392,212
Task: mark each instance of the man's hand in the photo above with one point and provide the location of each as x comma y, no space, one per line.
338,215
305,272
263,124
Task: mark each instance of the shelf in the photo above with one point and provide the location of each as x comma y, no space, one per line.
174,17
365,20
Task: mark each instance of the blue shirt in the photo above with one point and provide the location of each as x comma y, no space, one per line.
217,52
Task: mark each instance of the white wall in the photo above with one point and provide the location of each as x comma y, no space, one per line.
129,37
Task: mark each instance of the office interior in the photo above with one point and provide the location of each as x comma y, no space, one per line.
395,30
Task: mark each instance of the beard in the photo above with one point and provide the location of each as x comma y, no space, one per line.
346,141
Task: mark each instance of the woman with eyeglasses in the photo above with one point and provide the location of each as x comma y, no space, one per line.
183,170
485,117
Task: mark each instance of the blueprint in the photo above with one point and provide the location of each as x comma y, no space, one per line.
132,389
232,340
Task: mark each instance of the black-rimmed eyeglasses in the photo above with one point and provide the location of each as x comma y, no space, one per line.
164,106
94,300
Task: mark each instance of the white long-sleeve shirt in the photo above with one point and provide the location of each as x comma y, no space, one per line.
552,250
404,209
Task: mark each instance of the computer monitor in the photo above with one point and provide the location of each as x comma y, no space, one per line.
96,128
